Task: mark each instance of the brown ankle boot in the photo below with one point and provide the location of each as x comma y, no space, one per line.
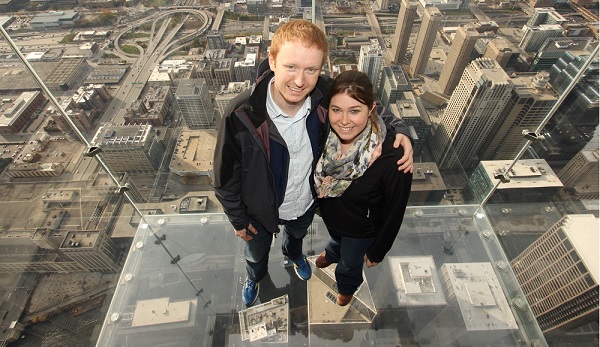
321,261
344,299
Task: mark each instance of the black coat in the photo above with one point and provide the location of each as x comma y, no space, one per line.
373,205
251,159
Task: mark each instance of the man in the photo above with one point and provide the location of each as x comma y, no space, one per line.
267,143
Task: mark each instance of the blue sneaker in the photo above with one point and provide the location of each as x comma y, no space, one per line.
302,268
250,292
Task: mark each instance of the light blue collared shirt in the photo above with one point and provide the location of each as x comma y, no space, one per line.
298,196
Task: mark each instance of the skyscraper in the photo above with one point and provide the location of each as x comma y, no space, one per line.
545,15
530,181
411,110
229,92
580,175
134,149
394,81
458,57
215,40
383,4
245,69
406,17
92,250
500,50
432,18
194,103
476,103
534,37
555,48
565,70
369,61
223,70
530,102
559,274
572,126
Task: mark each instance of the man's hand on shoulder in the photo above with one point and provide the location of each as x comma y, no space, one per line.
406,162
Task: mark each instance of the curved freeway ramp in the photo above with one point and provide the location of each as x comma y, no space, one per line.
204,15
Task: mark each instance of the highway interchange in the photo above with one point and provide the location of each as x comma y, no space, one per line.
160,45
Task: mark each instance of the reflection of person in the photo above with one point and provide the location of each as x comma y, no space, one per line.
268,142
362,195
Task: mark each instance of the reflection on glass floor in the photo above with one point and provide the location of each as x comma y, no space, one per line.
266,322
416,281
444,282
322,294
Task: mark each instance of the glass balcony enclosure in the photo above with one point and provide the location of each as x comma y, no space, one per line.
183,276
111,234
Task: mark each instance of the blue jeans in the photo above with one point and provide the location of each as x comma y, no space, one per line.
348,253
256,251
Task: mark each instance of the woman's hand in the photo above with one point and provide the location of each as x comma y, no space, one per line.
406,162
369,263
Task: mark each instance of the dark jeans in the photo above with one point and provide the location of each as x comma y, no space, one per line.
348,253
257,249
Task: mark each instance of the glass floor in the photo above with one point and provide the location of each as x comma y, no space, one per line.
446,282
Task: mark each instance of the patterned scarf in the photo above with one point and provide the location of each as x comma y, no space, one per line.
335,172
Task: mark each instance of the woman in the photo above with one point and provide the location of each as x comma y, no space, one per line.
362,195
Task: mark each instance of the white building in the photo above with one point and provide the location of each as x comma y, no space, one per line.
369,61
545,15
245,69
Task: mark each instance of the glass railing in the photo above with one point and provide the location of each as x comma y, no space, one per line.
111,234
65,231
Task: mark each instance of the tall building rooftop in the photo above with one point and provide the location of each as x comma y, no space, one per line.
122,134
526,173
159,311
582,230
417,281
194,152
190,87
479,295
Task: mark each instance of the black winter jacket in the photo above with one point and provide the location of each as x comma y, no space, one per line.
373,205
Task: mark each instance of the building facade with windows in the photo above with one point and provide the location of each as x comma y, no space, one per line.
559,273
134,149
406,18
474,107
194,102
370,59
459,56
